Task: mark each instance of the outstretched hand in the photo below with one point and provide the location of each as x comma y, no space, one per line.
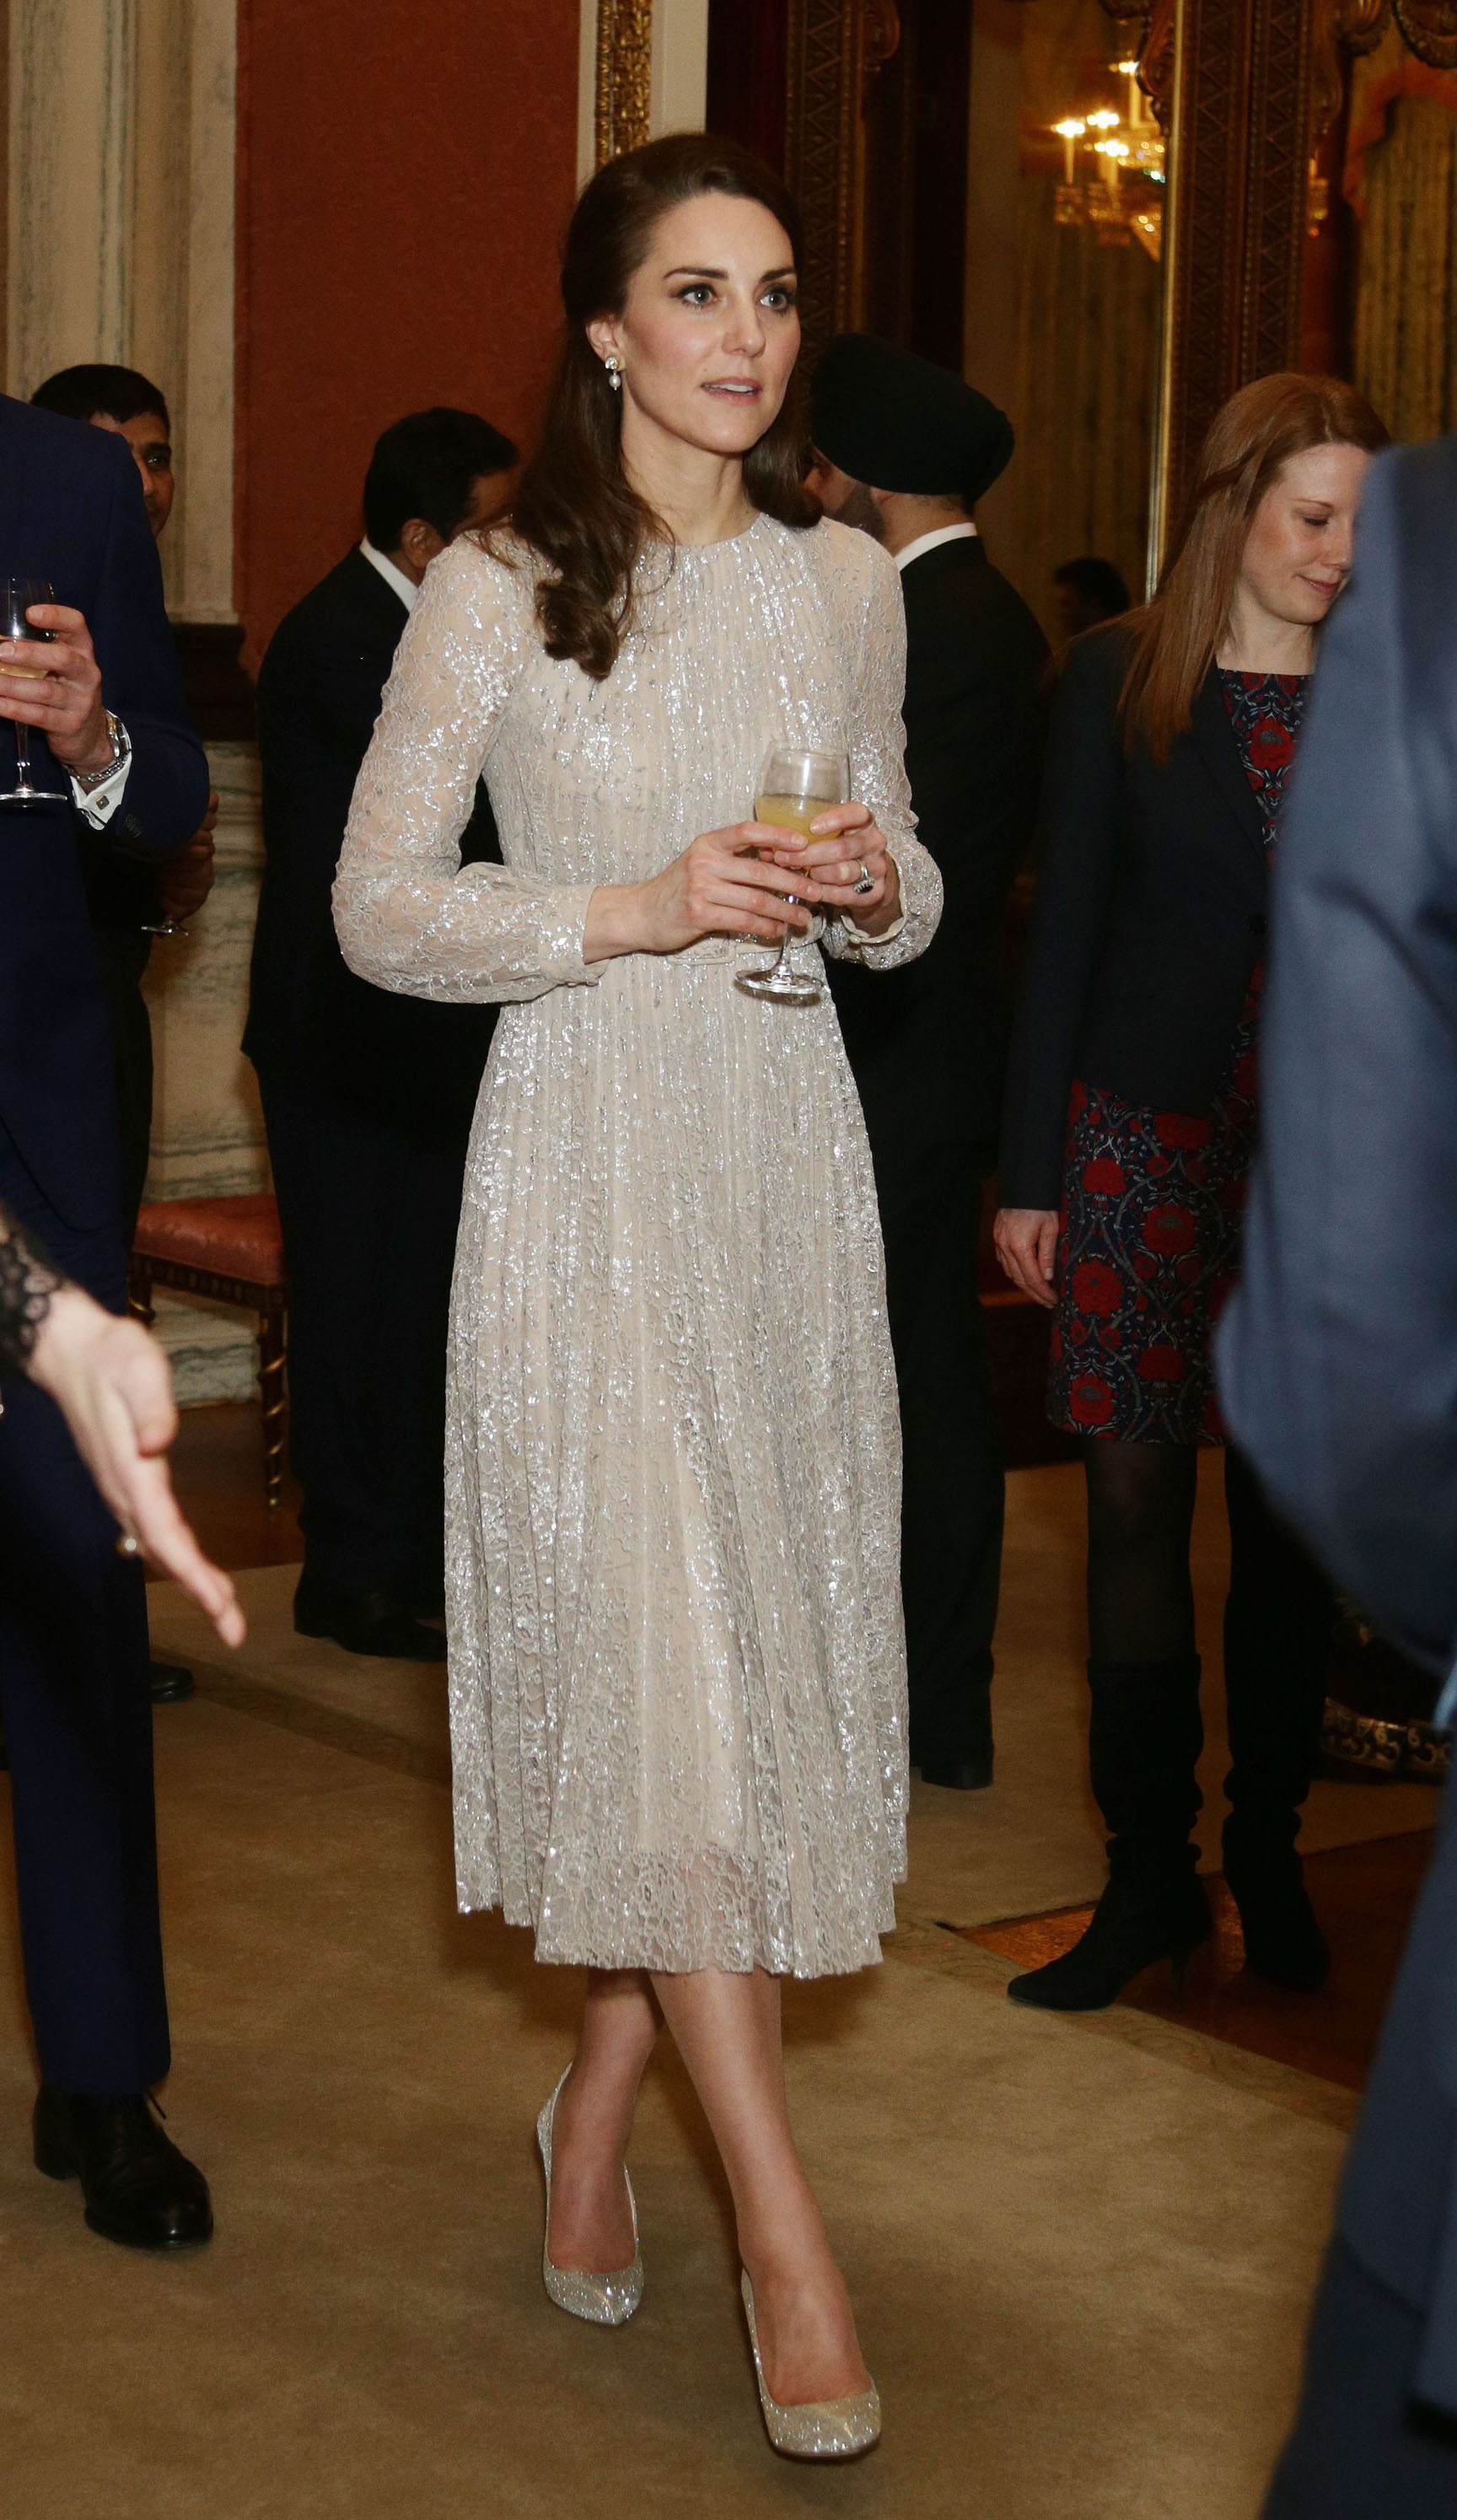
113,1386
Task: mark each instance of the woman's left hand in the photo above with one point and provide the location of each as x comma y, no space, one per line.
846,847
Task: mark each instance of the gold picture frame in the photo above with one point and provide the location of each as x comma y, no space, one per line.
621,114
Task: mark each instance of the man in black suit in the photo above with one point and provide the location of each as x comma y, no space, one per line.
366,1097
1339,1378
130,894
904,450
115,749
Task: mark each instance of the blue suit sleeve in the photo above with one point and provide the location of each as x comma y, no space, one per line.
166,789
1338,1354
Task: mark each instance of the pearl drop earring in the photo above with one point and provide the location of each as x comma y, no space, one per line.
613,365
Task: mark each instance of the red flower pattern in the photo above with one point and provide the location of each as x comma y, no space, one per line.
1169,1230
1097,1289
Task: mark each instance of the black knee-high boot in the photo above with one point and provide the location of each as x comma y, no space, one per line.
1277,1626
1144,1740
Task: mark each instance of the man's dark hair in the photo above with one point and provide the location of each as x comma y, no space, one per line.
1097,581
425,465
122,393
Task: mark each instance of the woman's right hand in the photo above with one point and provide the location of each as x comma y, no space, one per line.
717,887
1026,1244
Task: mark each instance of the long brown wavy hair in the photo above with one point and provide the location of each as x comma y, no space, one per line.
1255,433
573,506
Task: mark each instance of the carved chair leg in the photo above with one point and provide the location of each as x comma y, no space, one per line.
138,1293
271,1353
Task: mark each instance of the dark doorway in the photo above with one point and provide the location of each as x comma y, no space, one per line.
913,258
748,65
909,250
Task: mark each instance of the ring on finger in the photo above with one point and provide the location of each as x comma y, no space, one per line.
867,881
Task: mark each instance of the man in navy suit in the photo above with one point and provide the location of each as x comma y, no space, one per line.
110,741
1339,1368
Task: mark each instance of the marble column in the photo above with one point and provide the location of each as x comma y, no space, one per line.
120,152
121,143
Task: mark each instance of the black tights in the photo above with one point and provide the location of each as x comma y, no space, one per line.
1140,1516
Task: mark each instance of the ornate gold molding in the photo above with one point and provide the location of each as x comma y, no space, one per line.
624,76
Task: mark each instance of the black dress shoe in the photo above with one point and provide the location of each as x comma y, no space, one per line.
375,1622
172,1683
138,2188
968,1776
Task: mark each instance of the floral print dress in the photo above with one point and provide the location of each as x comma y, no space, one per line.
1153,1202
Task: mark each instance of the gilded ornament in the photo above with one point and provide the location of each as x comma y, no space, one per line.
1361,23
1429,27
624,76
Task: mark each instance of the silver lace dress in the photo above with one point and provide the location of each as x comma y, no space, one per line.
677,1666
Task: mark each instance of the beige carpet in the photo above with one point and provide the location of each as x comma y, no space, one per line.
1082,2252
1080,2265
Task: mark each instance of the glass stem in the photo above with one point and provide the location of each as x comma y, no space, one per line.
783,964
23,754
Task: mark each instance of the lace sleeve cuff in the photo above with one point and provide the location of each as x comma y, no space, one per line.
28,1281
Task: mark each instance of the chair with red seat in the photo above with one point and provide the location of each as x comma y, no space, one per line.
230,1250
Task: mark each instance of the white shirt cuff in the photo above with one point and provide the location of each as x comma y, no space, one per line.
99,804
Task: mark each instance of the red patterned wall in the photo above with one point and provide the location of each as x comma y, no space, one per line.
405,172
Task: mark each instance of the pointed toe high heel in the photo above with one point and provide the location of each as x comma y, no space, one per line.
828,2428
606,2300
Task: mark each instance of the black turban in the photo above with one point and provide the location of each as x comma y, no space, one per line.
892,419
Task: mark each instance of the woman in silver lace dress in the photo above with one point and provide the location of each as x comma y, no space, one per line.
676,1658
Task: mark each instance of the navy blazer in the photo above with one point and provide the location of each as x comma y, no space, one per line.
1339,1353
1150,918
71,511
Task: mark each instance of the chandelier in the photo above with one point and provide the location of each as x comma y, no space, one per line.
1114,167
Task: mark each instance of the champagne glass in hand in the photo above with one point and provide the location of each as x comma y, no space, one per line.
16,595
796,783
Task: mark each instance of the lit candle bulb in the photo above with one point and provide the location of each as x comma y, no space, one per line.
1068,133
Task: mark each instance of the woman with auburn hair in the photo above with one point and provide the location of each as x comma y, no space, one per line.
678,1677
1128,1135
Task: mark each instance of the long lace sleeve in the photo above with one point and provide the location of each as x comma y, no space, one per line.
408,916
28,1281
877,771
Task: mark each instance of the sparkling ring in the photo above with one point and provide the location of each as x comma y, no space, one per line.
128,1546
867,883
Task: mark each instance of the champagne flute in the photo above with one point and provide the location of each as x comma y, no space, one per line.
796,781
16,595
